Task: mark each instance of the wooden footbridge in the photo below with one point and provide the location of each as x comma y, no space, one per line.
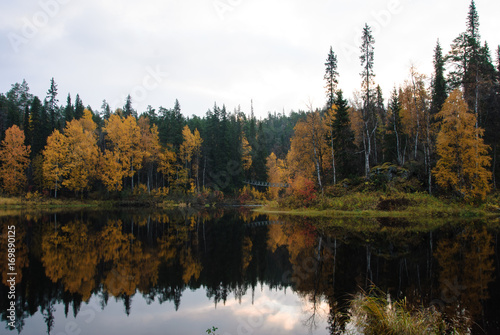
266,184
263,223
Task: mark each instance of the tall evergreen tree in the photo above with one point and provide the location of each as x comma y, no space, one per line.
393,138
105,110
37,126
171,123
473,25
439,89
367,57
259,171
343,139
380,119
474,46
466,56
51,104
69,111
128,109
19,98
79,108
331,77
367,75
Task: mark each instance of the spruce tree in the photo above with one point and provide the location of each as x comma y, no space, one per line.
331,77
37,126
343,140
69,111
105,110
19,98
439,94
367,58
394,135
128,110
380,119
51,104
259,169
367,75
79,108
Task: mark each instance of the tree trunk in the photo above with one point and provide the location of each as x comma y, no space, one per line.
333,160
367,149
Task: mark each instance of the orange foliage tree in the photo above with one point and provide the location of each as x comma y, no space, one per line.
464,160
190,151
14,159
276,173
309,149
54,160
82,153
246,153
149,145
167,163
123,155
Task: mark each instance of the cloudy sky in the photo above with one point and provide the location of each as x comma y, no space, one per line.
225,51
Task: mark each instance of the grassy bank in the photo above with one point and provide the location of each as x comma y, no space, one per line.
44,203
375,313
22,202
378,204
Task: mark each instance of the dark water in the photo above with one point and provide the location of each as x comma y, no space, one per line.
133,272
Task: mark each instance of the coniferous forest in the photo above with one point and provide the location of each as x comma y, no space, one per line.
436,132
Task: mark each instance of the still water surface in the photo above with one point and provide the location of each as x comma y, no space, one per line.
132,272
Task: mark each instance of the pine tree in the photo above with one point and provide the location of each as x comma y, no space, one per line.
331,77
439,88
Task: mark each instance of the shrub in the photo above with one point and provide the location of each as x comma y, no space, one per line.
250,193
160,192
33,196
302,192
140,190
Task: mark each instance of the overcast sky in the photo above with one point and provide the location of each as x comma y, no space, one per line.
225,51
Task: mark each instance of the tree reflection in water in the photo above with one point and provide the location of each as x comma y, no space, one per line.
68,258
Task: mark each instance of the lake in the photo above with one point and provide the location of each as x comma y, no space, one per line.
136,271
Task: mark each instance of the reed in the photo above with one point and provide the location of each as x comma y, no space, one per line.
374,313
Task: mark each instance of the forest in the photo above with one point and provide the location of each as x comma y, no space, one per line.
436,132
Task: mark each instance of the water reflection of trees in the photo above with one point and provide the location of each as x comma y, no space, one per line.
406,259
466,270
160,255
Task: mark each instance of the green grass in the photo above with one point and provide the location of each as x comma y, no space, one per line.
48,203
379,204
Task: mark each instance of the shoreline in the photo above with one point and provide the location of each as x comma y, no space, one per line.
350,205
